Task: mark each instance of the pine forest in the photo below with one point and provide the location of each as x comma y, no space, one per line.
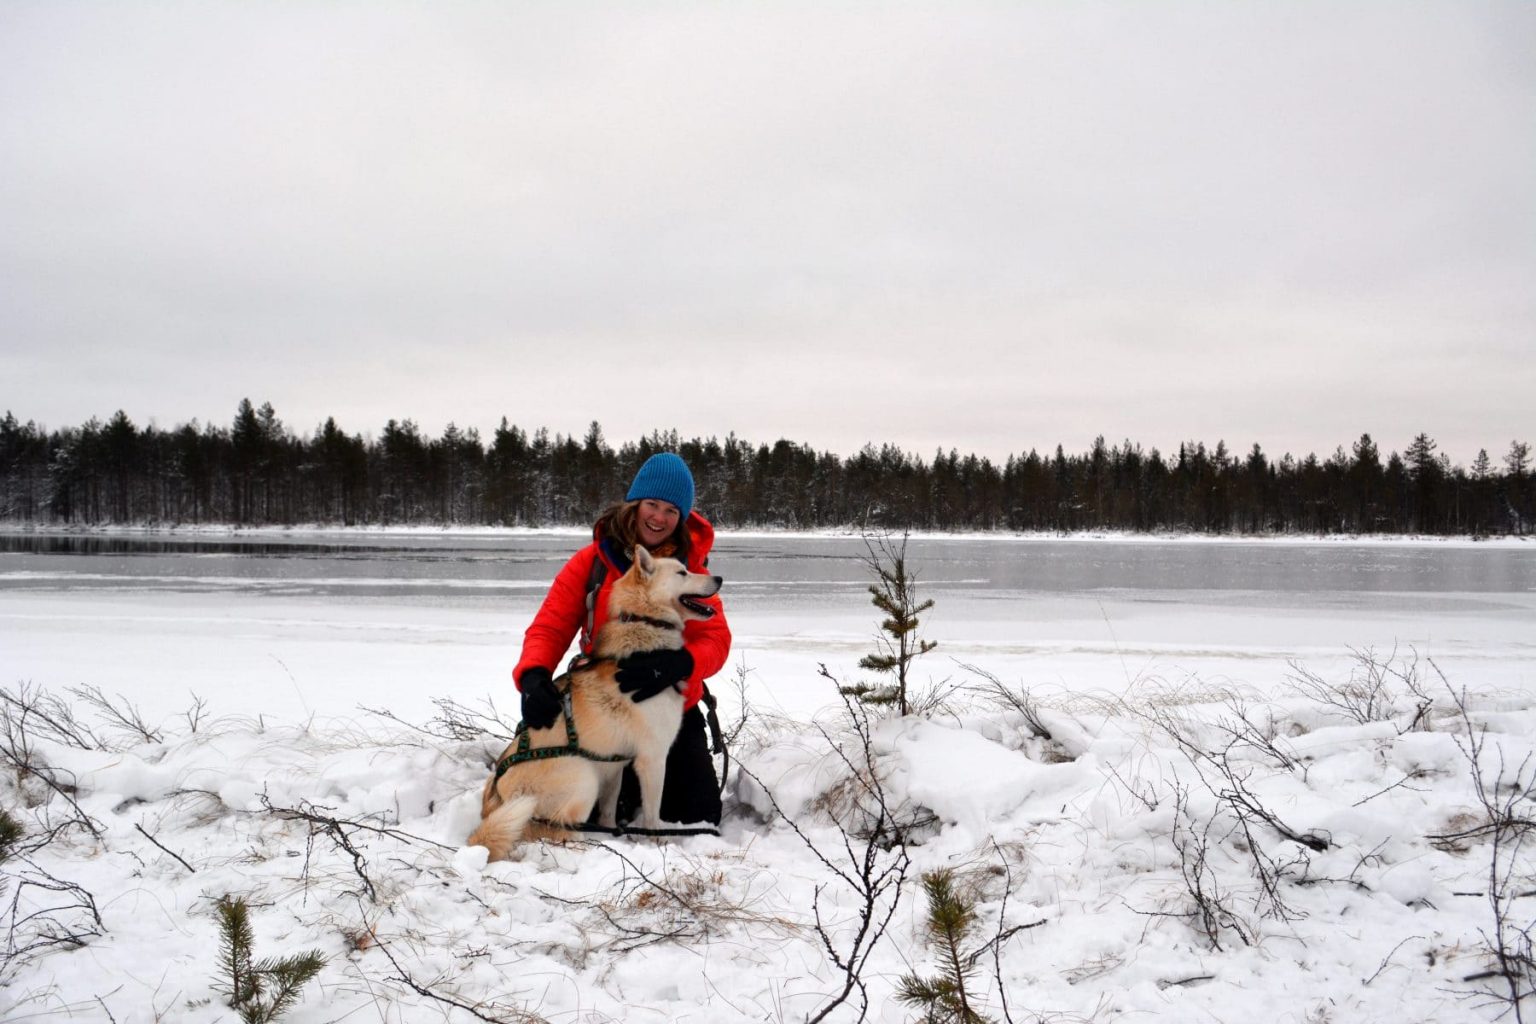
258,472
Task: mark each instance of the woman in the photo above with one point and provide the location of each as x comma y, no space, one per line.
658,512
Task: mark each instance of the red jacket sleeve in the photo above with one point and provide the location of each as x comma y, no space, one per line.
559,618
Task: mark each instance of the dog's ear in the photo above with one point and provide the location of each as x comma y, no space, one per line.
644,560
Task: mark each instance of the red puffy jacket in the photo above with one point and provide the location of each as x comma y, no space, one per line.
564,613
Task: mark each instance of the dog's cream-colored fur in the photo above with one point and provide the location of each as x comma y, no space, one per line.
565,789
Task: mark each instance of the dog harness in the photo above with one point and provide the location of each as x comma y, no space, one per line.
573,747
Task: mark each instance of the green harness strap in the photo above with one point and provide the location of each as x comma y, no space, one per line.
572,748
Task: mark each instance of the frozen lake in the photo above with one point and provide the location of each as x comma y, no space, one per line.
768,570
298,623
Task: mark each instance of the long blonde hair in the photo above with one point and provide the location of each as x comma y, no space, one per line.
620,522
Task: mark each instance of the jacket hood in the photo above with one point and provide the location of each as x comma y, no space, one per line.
701,540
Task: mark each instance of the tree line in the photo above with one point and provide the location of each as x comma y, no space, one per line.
256,471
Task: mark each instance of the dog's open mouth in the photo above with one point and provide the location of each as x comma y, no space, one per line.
696,606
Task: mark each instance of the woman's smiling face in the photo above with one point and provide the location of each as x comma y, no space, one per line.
657,520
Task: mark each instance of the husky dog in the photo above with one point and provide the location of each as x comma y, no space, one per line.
533,798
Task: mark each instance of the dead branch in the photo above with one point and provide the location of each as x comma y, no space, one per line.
476,1010
1262,738
194,714
1212,906
125,717
1508,801
1020,700
178,857
38,923
342,831
875,869
1388,958
16,750
455,721
32,709
1376,691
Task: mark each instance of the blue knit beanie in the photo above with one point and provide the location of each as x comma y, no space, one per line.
665,477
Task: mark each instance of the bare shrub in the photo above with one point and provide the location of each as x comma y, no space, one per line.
1379,689
870,863
31,711
195,714
43,913
1241,820
119,714
858,800
46,912
344,834
1247,728
1212,909
1019,700
745,712
456,721
1507,797
30,716
489,1011
686,902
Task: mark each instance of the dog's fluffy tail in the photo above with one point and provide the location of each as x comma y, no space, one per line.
504,827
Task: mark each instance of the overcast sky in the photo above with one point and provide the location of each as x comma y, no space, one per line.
984,226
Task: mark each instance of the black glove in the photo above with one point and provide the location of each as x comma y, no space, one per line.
541,701
646,674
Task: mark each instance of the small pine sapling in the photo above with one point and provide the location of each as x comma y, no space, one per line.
235,945
944,997
10,833
248,982
894,592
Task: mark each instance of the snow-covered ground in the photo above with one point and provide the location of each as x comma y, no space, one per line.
1171,717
